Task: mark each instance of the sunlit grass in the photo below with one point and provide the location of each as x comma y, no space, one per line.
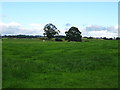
36,64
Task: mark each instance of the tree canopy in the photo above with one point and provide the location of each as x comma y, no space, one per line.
50,30
73,34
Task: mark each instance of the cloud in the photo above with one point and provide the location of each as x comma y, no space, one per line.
9,28
113,29
95,28
99,28
67,24
16,28
100,31
37,26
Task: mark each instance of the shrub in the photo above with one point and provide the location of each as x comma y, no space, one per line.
58,39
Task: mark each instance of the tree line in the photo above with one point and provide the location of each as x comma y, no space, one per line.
51,31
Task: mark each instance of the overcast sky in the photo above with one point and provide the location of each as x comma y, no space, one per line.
98,19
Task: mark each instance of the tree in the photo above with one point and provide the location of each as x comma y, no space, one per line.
50,30
73,34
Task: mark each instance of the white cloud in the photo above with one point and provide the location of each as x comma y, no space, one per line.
16,28
37,26
14,24
113,29
9,28
95,28
100,31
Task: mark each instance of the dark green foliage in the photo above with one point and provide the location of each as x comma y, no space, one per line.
73,34
21,36
31,63
89,37
118,38
107,38
50,30
58,39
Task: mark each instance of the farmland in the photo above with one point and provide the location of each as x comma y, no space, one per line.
32,63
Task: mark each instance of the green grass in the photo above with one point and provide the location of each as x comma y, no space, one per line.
31,63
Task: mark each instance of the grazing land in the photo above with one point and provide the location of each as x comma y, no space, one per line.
32,63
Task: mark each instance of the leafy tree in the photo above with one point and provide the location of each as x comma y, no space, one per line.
50,30
73,34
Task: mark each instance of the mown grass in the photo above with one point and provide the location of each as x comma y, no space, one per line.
31,63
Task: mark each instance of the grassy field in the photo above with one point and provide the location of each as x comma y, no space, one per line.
31,63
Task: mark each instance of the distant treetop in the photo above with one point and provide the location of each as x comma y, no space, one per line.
50,30
73,34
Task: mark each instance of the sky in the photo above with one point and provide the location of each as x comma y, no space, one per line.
97,19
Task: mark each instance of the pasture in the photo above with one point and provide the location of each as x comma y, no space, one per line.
32,63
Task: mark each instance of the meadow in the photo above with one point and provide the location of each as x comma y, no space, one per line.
32,63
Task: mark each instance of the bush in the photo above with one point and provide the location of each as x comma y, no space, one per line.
89,37
107,38
118,38
43,38
58,39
